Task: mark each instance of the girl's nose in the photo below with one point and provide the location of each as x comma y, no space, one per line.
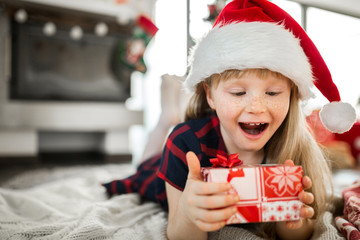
256,105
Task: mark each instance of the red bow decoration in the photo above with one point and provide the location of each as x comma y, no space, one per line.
226,161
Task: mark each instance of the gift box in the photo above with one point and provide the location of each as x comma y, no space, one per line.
267,192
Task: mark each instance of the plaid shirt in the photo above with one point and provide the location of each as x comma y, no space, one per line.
202,136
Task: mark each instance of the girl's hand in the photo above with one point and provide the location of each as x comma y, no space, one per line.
307,198
207,205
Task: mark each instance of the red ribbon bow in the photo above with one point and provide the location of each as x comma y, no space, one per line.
226,161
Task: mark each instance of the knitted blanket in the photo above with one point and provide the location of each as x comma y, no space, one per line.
70,203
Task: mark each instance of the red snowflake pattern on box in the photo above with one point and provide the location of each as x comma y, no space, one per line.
267,192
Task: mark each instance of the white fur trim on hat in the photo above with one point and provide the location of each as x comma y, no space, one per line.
244,45
338,117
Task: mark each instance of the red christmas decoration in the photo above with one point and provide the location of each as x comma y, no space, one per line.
229,161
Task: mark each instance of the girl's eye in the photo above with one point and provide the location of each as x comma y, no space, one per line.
272,93
238,93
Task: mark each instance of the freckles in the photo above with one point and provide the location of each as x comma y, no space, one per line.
277,105
280,108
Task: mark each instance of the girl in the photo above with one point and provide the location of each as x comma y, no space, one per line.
248,75
253,112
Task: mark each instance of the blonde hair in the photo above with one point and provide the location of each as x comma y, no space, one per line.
292,140
198,106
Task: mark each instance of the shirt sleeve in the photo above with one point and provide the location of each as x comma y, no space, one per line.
173,166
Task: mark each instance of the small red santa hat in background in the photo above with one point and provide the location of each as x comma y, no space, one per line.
259,34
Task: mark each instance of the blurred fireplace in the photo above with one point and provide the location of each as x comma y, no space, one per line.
64,86
61,66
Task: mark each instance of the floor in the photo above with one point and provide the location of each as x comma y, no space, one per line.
10,167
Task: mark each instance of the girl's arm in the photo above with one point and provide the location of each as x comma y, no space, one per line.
303,228
200,208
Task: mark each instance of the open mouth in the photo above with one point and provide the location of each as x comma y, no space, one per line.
253,128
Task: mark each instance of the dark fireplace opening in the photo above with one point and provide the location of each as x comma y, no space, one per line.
58,67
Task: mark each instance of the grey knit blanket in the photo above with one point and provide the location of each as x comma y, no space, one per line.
70,203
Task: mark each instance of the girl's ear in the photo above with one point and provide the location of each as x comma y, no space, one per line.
209,98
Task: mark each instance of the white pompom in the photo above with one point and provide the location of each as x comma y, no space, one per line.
338,117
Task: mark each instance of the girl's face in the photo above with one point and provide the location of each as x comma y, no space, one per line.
250,109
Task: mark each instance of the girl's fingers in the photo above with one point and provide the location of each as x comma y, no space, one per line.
209,227
306,212
194,166
289,162
206,188
306,197
214,215
213,201
306,182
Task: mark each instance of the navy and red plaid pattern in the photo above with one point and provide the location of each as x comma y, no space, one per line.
202,136
144,181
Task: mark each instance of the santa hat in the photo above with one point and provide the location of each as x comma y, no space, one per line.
259,34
